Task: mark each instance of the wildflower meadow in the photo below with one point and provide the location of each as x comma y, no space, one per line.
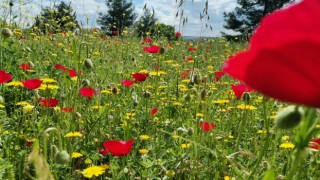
90,106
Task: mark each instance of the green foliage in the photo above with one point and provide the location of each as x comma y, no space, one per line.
120,14
57,19
247,15
145,23
163,30
6,170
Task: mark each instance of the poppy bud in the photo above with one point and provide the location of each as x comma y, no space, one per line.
289,118
203,94
147,94
6,32
196,79
246,96
62,157
31,65
190,131
135,103
88,64
11,3
28,49
190,84
187,98
115,90
161,50
85,82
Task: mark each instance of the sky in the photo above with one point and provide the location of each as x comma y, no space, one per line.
165,11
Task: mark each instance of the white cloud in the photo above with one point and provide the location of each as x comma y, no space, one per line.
165,11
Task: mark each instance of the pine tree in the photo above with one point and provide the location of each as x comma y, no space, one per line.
247,15
57,19
145,23
120,14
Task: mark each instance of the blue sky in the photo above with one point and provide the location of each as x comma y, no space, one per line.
165,11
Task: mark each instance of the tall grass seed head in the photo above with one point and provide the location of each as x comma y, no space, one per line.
289,118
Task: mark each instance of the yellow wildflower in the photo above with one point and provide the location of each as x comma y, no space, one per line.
143,151
287,145
73,134
76,155
14,83
247,107
94,171
145,137
185,145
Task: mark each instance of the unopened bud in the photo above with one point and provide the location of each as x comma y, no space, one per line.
6,32
85,82
147,94
289,118
196,79
62,157
203,94
246,96
115,90
88,64
187,98
190,131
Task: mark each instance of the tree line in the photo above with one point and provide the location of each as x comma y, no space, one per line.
121,15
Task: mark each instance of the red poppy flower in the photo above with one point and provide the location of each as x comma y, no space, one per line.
4,77
72,73
103,151
58,66
29,143
127,83
65,109
87,92
118,148
154,111
25,67
114,32
315,144
192,49
140,77
283,58
218,76
49,102
185,74
152,49
32,83
240,89
207,126
147,40
178,34
170,45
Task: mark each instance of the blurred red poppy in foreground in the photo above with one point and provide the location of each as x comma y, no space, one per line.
140,77
315,144
283,58
178,34
49,102
147,40
240,89
4,77
218,75
207,126
152,49
87,92
118,148
32,83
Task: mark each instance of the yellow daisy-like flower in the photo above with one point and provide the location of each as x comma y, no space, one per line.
143,151
247,107
144,71
220,101
47,80
174,136
2,106
106,92
27,108
76,155
23,103
48,86
94,171
162,87
199,115
14,83
177,104
73,134
185,145
287,145
260,131
145,137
